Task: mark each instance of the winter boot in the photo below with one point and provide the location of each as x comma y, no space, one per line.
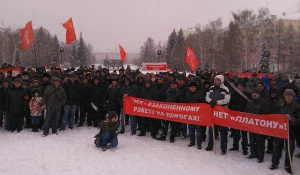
104,149
273,166
142,134
223,152
191,144
208,149
80,124
172,139
252,156
161,138
234,149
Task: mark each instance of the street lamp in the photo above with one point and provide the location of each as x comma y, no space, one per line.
61,49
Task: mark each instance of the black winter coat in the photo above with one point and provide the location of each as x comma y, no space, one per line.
194,97
113,97
258,107
98,93
148,93
16,99
160,92
86,94
131,90
73,92
237,102
175,97
3,94
293,110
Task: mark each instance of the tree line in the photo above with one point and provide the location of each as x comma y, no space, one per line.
235,47
47,49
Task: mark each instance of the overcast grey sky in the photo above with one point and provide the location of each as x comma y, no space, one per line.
107,23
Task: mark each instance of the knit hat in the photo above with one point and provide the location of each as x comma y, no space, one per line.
160,78
36,90
114,78
6,80
55,79
9,72
17,80
193,83
289,92
256,91
112,114
46,75
173,82
241,82
85,78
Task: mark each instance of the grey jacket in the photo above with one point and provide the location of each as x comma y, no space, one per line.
54,98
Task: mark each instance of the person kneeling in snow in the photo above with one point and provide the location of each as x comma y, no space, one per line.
108,129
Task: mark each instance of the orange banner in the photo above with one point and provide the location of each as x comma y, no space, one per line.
202,114
15,70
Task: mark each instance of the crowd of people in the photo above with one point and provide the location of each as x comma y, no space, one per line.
63,99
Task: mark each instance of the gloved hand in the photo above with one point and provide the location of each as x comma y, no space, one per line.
213,103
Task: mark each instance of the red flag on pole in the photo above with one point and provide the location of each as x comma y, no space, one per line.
122,53
70,33
191,59
27,36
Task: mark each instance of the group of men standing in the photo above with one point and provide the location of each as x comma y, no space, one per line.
87,95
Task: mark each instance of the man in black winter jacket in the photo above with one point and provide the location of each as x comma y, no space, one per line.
98,100
128,89
113,95
183,89
292,111
257,141
148,93
273,105
173,95
218,95
73,90
194,96
15,104
3,111
239,103
85,102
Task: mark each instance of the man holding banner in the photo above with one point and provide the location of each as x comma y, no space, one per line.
292,110
218,94
257,141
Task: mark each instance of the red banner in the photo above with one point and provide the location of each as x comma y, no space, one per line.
178,112
202,114
249,74
15,70
270,124
154,66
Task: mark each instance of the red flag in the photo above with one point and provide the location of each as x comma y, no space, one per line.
191,59
70,33
122,53
27,36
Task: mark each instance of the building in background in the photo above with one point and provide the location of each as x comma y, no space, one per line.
100,56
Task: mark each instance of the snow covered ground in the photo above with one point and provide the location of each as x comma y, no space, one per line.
73,152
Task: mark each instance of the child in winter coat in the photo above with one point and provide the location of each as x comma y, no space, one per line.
35,108
109,128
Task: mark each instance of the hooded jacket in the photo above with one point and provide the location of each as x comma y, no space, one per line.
220,94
